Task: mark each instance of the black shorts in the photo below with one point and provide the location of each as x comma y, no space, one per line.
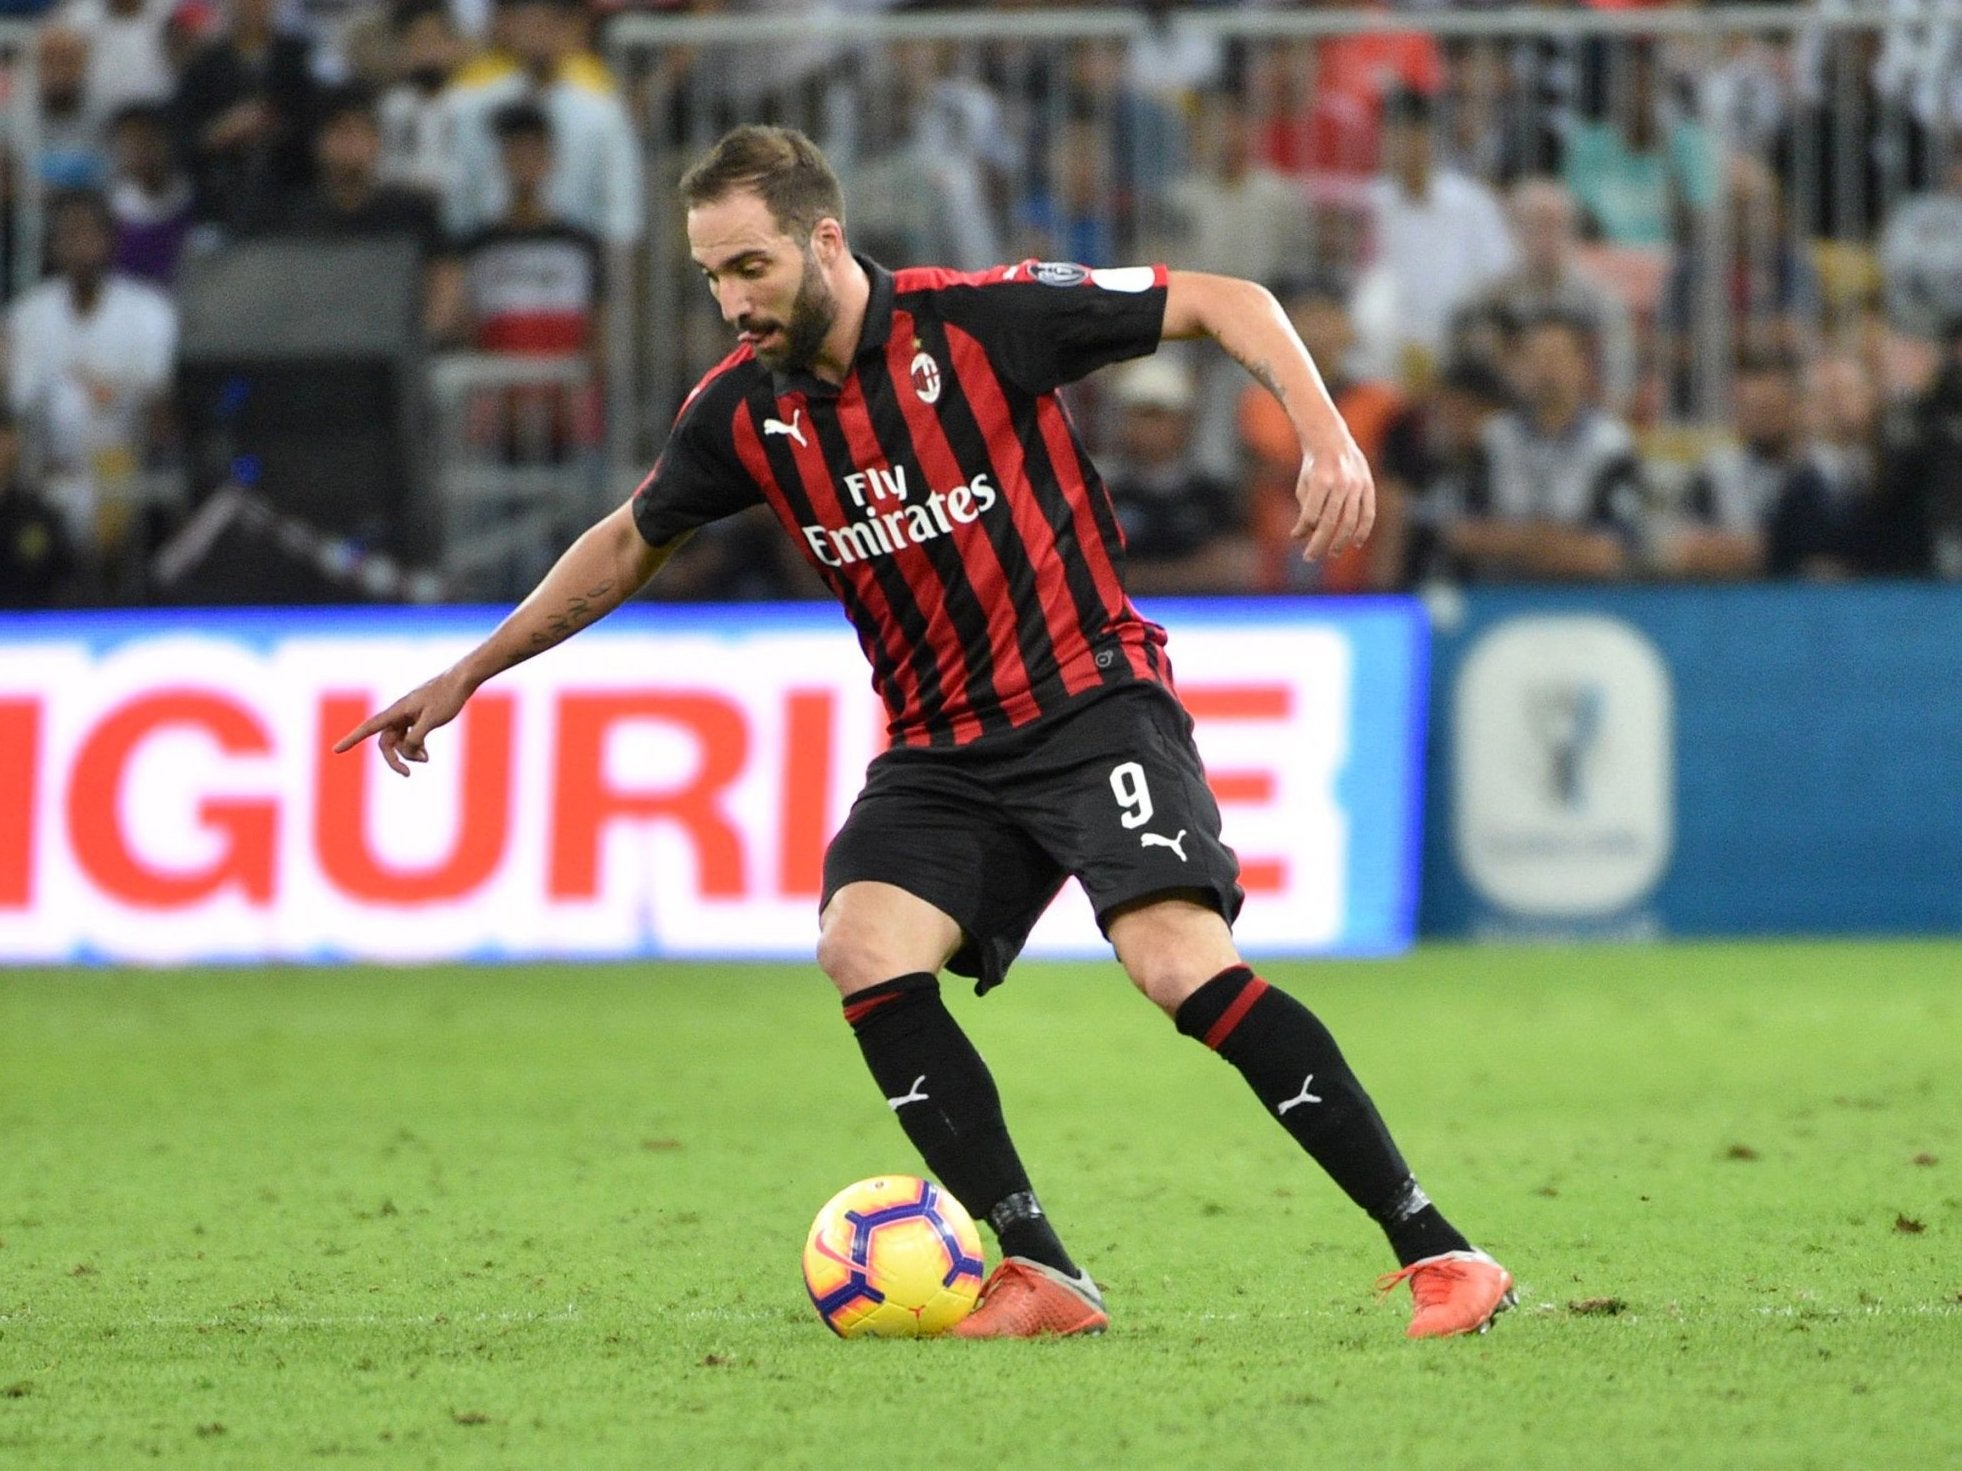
1111,792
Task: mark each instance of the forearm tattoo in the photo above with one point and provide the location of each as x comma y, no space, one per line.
1263,374
579,611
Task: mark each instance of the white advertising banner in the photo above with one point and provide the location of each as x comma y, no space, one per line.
662,785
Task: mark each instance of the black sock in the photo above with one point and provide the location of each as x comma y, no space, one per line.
1293,1064
946,1101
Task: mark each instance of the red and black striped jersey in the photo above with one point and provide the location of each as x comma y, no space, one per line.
941,490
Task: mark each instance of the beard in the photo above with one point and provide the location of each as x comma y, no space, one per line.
812,312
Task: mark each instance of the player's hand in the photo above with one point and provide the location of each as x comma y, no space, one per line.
1338,501
403,725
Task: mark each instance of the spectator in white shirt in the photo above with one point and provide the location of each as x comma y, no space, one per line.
89,356
1550,279
417,147
596,181
128,63
1440,236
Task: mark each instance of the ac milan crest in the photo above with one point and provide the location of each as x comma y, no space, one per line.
926,378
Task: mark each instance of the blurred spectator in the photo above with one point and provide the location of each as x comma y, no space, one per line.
418,150
531,284
1183,530
942,189
1324,101
349,200
71,133
1558,493
244,109
1912,525
1171,60
1144,138
149,195
1767,289
1487,133
1921,257
1441,236
1069,214
1635,170
1437,453
1318,308
1550,279
596,181
532,280
1739,489
1235,215
128,62
89,360
37,566
1814,529
1843,414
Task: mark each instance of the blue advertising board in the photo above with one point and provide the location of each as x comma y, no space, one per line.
1696,761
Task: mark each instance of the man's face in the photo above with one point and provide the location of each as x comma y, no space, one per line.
430,47
1841,400
141,151
1325,330
64,67
1767,409
537,33
1407,149
1544,221
527,161
350,147
770,287
1151,434
1553,367
80,242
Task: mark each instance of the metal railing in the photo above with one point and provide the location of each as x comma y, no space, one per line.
519,467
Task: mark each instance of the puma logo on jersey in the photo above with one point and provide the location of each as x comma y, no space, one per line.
1177,845
793,429
918,1095
1304,1096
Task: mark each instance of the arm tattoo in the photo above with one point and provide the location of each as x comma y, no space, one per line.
1263,373
578,613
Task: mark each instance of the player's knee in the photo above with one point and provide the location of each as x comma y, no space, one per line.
1172,946
853,957
1167,980
844,958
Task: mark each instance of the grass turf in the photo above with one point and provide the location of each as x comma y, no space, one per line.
550,1216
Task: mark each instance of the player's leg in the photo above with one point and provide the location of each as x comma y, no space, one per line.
883,948
1121,800
1179,951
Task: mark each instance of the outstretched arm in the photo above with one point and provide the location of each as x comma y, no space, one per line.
600,571
1336,493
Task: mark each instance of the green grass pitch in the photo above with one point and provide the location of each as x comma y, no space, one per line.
550,1216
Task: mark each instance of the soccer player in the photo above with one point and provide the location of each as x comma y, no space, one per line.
904,428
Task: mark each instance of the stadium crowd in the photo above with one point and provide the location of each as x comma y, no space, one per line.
1597,307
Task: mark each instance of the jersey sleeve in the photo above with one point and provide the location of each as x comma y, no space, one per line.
1047,323
697,478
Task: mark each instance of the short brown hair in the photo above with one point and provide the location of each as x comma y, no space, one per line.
780,165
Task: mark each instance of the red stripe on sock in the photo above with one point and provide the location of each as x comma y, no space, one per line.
1234,1014
855,1010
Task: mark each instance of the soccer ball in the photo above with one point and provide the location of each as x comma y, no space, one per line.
892,1257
